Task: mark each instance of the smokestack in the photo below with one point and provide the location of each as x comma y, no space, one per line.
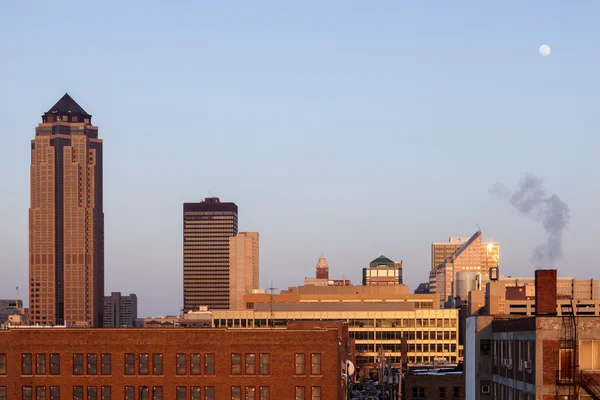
545,292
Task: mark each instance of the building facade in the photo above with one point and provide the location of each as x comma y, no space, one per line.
12,312
244,267
172,364
120,311
382,272
207,227
322,268
66,219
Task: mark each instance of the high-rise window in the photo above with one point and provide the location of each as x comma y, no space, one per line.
300,369
77,392
40,393
315,393
26,368
77,364
250,393
40,364
157,364
181,364
315,364
106,393
27,393
209,364
2,364
105,364
209,393
264,393
265,367
92,393
196,393
92,366
181,393
129,364
195,364
129,392
250,362
236,393
299,393
54,364
54,392
144,368
157,393
236,363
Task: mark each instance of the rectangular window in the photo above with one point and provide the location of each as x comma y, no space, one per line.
442,392
315,364
265,367
77,392
144,393
77,364
92,393
55,364
250,393
181,364
105,359
181,393
2,392
485,347
157,393
300,369
2,364
315,393
209,393
250,362
299,393
195,393
27,393
54,392
456,392
236,361
264,393
157,364
129,364
92,366
209,364
129,392
40,393
26,369
144,367
195,364
418,392
106,393
236,393
40,364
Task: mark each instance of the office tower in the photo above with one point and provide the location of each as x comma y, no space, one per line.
322,268
120,311
441,251
382,272
244,268
207,227
66,219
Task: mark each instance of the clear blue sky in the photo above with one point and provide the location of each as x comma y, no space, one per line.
349,128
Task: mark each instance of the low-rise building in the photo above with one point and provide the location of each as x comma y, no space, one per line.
12,312
434,383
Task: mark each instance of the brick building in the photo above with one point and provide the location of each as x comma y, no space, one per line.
181,364
434,384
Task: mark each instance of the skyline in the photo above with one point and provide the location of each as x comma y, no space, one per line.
401,137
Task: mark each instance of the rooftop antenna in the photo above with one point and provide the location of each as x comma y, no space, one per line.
270,290
478,228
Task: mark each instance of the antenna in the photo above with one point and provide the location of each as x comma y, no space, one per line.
271,290
478,228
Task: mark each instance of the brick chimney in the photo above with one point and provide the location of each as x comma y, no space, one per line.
545,292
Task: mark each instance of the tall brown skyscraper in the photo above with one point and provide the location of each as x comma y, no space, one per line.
207,227
66,219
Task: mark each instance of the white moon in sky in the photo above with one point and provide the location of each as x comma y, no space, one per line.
544,50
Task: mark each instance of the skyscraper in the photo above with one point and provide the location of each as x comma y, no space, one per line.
207,227
66,219
244,267
322,268
120,311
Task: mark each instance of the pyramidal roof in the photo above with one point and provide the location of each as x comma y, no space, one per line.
67,105
382,259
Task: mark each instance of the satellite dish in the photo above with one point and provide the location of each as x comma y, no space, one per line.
350,367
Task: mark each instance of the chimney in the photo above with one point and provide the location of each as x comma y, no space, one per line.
545,292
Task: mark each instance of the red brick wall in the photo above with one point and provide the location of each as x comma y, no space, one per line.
550,361
545,292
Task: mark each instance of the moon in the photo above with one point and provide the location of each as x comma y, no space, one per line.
544,50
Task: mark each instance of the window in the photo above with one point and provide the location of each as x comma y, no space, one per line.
77,392
265,367
26,370
195,364
77,364
181,364
236,393
40,364
181,393
40,393
300,370
92,366
485,347
315,364
106,393
27,393
299,393
315,393
418,392
455,392
144,367
144,393
250,393
236,363
129,364
264,393
209,364
250,362
157,393
105,364
589,355
129,392
54,391
442,392
195,392
54,364
157,364
2,392
2,364
92,393
209,393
